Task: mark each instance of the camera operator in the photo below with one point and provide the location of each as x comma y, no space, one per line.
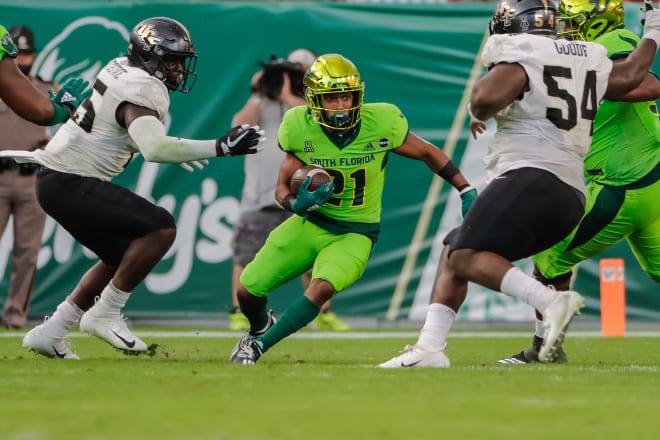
276,88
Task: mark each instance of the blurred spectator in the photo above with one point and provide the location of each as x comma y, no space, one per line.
17,190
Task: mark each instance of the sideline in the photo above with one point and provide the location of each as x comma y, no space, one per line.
356,335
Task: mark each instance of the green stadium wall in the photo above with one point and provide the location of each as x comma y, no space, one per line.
417,56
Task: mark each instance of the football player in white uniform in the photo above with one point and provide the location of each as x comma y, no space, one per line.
544,94
128,233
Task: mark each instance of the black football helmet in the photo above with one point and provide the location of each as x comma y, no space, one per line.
524,17
163,48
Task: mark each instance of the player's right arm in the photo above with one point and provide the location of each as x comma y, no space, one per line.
648,90
21,96
503,84
629,74
150,136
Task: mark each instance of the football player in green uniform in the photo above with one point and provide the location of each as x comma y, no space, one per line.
622,167
17,91
337,224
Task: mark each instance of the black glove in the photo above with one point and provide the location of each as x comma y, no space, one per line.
239,140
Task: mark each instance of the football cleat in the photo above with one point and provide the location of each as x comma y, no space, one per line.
531,355
40,342
556,318
248,354
238,322
111,327
248,337
331,323
416,356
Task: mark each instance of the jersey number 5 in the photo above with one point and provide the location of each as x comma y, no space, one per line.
588,103
87,120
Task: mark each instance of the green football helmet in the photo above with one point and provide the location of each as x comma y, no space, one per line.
588,19
328,74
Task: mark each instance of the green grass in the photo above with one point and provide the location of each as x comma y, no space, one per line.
329,389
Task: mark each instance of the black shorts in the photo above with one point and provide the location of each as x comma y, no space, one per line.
519,214
100,215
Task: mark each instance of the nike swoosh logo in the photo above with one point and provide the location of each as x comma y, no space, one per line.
57,353
233,142
129,344
409,365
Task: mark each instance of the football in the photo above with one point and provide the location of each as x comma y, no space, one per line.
319,177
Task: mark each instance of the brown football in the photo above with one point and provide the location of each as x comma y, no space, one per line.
319,177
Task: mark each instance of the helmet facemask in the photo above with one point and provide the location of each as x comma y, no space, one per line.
330,75
584,20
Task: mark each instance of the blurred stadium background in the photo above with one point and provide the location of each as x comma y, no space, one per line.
420,55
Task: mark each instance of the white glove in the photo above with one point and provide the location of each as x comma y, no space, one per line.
199,164
652,26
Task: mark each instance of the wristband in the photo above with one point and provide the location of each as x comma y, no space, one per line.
61,114
465,188
287,202
474,118
448,171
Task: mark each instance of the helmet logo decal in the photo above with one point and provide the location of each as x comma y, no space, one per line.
524,24
505,12
149,35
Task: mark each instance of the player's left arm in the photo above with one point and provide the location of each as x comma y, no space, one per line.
417,148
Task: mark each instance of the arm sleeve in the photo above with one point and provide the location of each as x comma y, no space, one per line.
149,136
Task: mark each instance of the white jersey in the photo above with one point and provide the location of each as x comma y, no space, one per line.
92,143
549,127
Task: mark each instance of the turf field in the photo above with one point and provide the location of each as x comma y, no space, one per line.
308,389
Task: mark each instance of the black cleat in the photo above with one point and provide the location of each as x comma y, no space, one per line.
531,355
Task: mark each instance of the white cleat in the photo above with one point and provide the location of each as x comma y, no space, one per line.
112,328
39,342
556,319
416,356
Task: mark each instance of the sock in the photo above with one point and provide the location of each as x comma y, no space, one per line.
112,299
439,319
515,283
540,330
300,313
66,316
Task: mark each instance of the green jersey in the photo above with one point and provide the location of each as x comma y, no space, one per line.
7,46
358,168
626,136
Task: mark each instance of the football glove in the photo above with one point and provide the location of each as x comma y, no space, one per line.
68,98
239,140
652,26
468,195
307,201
